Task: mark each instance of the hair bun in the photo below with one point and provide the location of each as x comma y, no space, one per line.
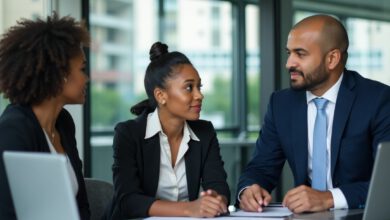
157,50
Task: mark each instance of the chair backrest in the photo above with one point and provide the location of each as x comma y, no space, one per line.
99,196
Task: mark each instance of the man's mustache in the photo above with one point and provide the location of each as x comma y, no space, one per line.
293,69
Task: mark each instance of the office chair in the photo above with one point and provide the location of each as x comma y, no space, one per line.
99,194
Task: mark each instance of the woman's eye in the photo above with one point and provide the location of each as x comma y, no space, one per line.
189,88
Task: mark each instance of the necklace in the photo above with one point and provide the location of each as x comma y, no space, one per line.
53,135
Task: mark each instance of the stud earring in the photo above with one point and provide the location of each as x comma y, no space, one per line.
65,79
163,102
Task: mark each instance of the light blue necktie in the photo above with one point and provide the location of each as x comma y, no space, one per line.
319,159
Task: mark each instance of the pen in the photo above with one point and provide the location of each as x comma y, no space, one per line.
274,204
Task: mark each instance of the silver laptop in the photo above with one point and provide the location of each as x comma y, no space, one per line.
377,204
40,186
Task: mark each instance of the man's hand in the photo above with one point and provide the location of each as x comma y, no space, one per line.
253,198
305,199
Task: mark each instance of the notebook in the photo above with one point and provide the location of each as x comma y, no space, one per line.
40,186
377,206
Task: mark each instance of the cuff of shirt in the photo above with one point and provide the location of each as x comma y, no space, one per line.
239,194
339,200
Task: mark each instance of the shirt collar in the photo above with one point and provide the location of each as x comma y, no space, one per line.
190,132
153,126
330,95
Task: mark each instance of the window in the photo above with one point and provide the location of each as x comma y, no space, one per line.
122,32
253,66
369,51
207,41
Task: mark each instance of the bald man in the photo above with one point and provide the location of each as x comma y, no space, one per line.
357,118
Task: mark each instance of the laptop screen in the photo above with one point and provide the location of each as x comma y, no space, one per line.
40,186
377,206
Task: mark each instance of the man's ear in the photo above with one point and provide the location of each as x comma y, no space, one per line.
333,58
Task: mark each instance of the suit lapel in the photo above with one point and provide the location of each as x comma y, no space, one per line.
345,99
299,137
193,168
151,162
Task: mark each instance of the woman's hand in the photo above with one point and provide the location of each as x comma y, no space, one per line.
209,204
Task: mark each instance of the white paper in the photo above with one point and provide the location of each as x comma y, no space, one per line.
267,212
218,218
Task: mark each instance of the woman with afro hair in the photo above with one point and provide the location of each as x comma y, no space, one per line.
42,69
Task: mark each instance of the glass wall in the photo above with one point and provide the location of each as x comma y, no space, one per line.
207,41
121,42
369,52
252,22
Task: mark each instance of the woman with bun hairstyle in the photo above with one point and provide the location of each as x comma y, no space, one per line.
164,156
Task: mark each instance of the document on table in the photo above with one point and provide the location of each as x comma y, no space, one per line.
218,218
267,212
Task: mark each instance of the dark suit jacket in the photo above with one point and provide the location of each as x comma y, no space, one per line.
21,131
136,167
361,121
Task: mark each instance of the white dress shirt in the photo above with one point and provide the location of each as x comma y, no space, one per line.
331,95
172,183
72,174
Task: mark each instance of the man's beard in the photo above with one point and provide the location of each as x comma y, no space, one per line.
309,82
297,87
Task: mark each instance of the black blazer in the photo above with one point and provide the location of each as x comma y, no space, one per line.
136,167
21,131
